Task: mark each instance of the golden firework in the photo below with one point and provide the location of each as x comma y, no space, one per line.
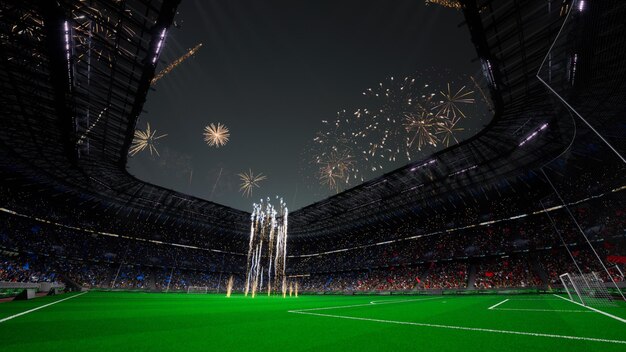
449,106
145,140
229,286
331,177
175,63
30,24
249,181
400,118
422,126
97,29
451,4
335,168
216,135
448,131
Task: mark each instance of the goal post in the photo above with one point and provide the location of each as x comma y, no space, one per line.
197,289
570,288
587,289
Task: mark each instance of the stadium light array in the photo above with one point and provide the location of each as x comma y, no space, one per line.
464,170
534,134
488,72
581,5
159,46
573,70
432,161
66,32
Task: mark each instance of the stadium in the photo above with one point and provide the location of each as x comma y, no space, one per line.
434,175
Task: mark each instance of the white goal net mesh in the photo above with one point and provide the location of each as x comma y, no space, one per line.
197,289
587,289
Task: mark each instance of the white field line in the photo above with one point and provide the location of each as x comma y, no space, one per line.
546,310
363,305
40,307
533,299
465,328
403,300
595,310
497,304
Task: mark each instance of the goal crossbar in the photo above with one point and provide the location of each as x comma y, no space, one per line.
197,289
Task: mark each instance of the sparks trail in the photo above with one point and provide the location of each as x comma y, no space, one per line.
175,63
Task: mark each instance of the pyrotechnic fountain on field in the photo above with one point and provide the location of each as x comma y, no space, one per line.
267,253
229,286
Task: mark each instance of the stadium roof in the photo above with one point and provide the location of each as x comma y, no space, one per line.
70,111
70,114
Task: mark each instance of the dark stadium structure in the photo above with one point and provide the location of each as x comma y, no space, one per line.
539,192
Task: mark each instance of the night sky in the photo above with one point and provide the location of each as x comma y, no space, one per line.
271,71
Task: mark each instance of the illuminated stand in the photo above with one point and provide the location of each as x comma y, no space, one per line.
267,253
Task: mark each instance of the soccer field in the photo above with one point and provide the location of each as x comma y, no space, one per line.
113,321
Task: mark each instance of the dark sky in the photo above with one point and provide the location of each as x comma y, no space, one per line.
271,71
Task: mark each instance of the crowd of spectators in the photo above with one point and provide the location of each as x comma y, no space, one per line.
489,247
505,273
35,251
16,269
473,248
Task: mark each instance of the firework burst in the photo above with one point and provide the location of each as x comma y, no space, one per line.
216,135
450,105
30,25
335,168
399,119
387,105
97,29
249,181
448,132
145,140
422,127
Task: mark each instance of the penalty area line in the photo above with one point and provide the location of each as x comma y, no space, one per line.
466,328
370,304
497,304
40,307
403,300
545,310
593,309
533,299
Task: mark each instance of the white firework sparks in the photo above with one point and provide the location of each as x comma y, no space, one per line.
249,181
216,135
145,140
450,107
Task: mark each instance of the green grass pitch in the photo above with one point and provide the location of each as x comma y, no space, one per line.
118,321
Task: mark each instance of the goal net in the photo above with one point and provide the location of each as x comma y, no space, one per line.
197,289
587,289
